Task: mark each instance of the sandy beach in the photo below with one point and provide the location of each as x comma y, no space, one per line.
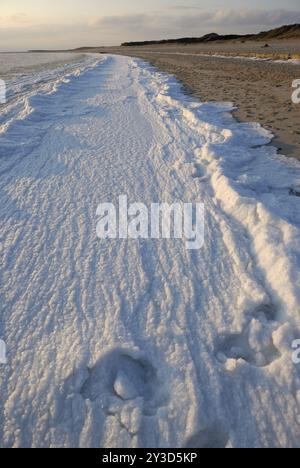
261,91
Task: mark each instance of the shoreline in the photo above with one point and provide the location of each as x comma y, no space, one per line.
261,90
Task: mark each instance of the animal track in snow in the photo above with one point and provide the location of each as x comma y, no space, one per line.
254,344
121,374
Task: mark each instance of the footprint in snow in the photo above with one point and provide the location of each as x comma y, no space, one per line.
122,374
254,344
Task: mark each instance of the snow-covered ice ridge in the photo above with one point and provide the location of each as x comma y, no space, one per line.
143,343
33,80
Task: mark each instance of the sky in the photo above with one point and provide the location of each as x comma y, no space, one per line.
60,24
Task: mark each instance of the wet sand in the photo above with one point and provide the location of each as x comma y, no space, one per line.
261,91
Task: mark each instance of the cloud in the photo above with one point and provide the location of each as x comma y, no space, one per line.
187,20
15,20
252,17
20,31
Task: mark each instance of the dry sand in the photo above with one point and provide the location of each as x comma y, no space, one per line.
260,90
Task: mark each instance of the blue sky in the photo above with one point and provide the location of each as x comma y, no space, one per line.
70,23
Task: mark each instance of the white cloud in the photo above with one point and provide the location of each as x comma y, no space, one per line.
186,20
20,31
16,20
